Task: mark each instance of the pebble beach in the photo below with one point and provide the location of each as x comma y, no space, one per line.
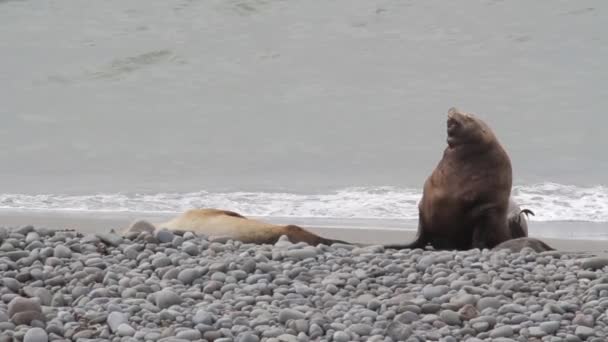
69,286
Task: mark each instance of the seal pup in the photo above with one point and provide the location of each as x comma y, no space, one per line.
225,223
465,200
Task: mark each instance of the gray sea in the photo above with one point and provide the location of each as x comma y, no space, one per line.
300,109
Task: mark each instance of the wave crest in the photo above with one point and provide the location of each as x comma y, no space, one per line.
549,201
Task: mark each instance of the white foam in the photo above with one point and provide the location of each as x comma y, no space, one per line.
549,201
557,202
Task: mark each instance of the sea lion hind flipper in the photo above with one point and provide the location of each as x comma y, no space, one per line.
528,212
297,234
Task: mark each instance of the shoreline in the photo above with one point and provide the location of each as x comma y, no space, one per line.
355,231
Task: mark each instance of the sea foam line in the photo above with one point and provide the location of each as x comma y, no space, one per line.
549,201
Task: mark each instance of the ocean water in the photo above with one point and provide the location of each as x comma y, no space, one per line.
283,108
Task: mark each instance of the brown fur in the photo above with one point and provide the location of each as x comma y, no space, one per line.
215,222
465,200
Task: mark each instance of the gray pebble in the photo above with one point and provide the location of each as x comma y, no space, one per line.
488,302
247,337
164,236
125,330
189,334
341,336
115,319
361,329
304,253
430,292
549,327
398,331
35,335
62,251
167,298
289,314
584,332
595,263
12,284
450,317
111,238
536,332
188,276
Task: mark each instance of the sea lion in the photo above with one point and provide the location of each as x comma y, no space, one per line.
465,200
216,222
516,218
516,245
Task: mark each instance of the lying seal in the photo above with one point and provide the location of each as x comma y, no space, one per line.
215,222
516,245
465,200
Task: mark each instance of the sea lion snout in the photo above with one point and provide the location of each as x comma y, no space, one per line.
457,114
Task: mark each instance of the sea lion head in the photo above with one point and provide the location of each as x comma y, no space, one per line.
464,128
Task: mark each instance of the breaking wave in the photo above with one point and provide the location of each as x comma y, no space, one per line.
549,201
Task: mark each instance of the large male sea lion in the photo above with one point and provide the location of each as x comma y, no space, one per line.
215,222
465,200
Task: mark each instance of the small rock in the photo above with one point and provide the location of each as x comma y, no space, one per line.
430,292
549,327
450,317
536,332
167,298
468,312
164,236
341,336
595,263
62,251
189,334
188,276
203,317
488,302
125,330
36,335
584,332
398,331
115,319
23,310
110,238
503,331
12,284
584,320
289,314
247,337
304,253
361,329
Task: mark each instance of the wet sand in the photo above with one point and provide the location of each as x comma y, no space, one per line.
360,231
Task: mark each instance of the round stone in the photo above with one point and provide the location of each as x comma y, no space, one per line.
167,298
36,335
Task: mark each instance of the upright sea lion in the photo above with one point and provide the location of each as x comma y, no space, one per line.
215,222
465,200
